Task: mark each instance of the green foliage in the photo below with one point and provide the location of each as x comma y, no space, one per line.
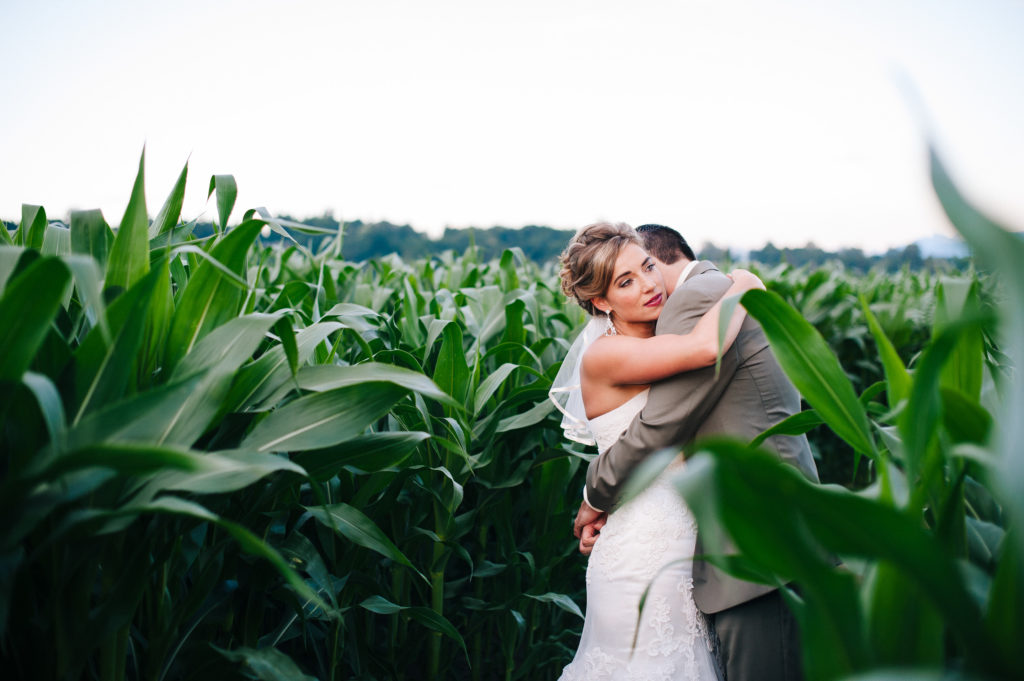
221,457
238,458
930,575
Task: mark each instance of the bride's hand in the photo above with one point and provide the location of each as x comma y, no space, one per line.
746,279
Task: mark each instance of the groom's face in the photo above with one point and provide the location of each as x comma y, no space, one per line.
637,292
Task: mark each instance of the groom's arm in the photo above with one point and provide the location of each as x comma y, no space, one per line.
676,406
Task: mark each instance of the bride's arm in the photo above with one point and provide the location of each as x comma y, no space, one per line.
629,360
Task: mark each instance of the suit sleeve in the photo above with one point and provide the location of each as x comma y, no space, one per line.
676,406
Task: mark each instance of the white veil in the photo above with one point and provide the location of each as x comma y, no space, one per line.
565,390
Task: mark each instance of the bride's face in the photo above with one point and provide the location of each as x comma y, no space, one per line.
637,292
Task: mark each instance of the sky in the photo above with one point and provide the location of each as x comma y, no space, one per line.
739,122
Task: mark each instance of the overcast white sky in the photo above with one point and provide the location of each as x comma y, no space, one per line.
736,121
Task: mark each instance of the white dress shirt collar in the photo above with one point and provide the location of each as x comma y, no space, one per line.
685,273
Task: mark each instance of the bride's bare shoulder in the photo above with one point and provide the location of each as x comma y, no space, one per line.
601,351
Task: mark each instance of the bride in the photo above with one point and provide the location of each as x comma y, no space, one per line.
649,541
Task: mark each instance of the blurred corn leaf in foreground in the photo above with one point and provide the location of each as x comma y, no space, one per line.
931,575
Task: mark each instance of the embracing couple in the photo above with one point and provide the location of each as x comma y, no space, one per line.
639,378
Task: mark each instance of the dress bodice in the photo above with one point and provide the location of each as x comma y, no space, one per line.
607,427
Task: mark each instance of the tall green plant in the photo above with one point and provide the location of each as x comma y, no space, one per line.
930,577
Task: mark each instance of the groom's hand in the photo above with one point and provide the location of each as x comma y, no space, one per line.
586,515
587,526
590,533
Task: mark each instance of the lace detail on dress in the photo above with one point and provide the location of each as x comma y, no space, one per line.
647,546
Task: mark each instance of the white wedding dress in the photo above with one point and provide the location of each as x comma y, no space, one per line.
650,538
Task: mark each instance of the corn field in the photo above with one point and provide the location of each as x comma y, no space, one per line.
228,459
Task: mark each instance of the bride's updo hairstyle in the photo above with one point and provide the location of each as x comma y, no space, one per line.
588,262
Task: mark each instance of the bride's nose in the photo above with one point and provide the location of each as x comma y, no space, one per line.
647,282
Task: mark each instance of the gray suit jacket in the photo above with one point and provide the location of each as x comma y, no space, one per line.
750,395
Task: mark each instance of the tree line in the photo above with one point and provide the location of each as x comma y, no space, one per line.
542,244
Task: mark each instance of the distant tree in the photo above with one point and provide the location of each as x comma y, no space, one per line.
769,255
709,251
896,258
855,259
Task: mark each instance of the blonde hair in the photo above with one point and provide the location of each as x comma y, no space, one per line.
588,262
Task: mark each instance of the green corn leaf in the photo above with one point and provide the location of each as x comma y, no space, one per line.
905,629
382,606
88,282
27,308
150,365
1003,619
210,298
90,235
324,419
300,551
912,675
831,648
50,405
507,265
223,472
997,248
841,522
170,212
227,346
425,616
451,373
320,378
103,372
964,418
197,254
490,385
33,226
227,192
259,381
249,542
797,424
372,452
10,256
355,526
124,458
896,377
283,330
434,330
437,622
139,418
515,332
560,600
919,421
129,254
174,236
350,310
266,664
528,418
56,240
216,357
813,368
956,298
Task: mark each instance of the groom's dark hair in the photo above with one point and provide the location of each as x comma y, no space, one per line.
665,243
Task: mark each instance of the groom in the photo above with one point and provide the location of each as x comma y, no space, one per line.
756,631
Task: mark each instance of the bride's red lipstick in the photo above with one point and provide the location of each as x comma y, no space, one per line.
654,302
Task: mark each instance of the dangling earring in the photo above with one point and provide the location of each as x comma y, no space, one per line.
610,328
